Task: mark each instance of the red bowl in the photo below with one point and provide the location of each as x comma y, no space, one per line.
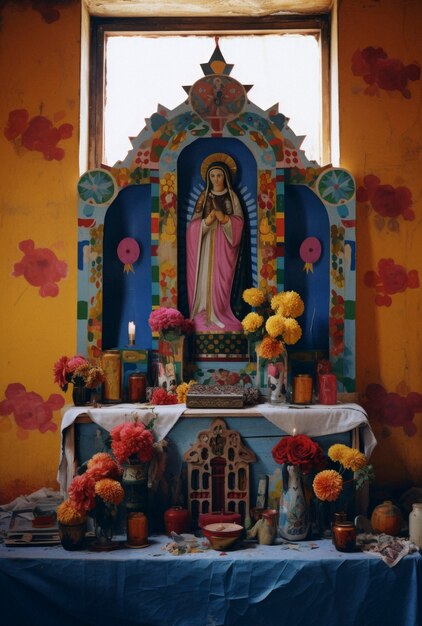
222,535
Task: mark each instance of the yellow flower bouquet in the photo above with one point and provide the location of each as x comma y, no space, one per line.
273,321
328,484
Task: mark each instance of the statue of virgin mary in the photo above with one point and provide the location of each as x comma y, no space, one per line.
213,238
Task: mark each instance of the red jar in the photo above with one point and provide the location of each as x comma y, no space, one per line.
177,520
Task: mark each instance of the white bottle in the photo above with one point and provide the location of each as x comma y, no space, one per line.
415,524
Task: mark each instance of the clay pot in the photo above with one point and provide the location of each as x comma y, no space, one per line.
387,518
177,519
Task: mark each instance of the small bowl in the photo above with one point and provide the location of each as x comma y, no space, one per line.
222,535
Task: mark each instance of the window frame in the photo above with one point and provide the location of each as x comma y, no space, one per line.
100,27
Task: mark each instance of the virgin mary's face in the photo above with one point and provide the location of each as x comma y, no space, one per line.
217,179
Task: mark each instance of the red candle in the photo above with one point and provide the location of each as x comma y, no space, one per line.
327,389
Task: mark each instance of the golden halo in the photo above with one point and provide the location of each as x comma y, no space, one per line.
221,158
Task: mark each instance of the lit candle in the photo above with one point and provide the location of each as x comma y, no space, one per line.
294,432
131,331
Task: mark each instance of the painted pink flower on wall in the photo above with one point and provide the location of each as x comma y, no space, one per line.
41,268
387,201
389,280
37,133
29,409
391,409
381,72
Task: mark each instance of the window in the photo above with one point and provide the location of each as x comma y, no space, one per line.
139,64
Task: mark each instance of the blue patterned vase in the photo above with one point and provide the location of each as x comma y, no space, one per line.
294,517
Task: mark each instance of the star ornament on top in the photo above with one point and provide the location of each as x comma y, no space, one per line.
217,98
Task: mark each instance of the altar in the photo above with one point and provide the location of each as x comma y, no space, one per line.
271,585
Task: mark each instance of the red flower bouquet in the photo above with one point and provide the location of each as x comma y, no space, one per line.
299,450
132,439
167,321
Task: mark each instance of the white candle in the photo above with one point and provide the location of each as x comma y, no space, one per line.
294,432
131,330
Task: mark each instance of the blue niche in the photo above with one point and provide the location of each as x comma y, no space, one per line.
190,184
127,296
306,216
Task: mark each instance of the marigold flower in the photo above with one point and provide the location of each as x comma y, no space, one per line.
336,451
82,492
109,490
353,460
269,348
275,326
252,322
102,465
292,331
288,304
328,485
182,391
132,439
254,297
161,396
69,515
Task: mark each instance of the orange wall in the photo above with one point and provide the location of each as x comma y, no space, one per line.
380,135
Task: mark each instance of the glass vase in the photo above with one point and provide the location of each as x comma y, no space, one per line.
105,517
294,515
81,395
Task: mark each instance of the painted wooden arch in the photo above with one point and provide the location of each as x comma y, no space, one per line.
131,221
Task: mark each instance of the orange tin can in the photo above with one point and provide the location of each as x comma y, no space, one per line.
302,389
112,365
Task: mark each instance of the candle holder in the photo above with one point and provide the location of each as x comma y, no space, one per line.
131,341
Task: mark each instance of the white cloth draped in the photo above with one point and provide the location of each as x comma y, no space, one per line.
314,420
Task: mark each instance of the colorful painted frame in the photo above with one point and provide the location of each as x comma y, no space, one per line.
280,162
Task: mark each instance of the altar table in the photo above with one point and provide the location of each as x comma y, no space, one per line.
256,585
272,420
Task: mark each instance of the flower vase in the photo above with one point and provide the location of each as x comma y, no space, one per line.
294,517
104,526
277,379
135,484
81,395
72,535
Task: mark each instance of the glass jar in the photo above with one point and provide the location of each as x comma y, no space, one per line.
344,536
415,524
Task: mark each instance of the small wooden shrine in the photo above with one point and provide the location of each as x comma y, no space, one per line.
218,472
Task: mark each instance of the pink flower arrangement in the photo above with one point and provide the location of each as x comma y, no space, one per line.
132,439
77,370
164,320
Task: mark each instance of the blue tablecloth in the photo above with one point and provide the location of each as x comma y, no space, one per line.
256,585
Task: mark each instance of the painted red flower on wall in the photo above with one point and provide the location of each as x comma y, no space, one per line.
41,268
37,133
388,201
29,409
381,72
391,409
390,279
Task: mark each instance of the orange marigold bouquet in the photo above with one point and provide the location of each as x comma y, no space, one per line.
97,493
328,484
272,322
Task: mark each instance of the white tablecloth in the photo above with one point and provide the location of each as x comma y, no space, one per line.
314,420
